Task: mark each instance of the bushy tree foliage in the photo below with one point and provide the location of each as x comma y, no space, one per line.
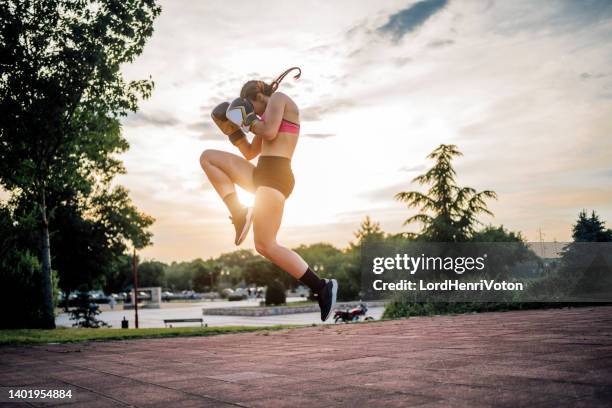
86,312
590,229
275,293
585,263
61,96
447,212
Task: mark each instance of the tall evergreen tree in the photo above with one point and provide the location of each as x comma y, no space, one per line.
590,229
368,231
447,212
585,263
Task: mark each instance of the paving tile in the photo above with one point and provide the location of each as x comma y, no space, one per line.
241,376
452,403
190,402
289,401
144,394
225,391
587,402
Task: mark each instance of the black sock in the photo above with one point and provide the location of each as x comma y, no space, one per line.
233,204
310,279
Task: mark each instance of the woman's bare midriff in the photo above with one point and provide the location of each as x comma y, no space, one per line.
282,145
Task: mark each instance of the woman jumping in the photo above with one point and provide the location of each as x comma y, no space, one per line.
274,119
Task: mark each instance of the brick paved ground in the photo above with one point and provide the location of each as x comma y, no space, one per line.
549,358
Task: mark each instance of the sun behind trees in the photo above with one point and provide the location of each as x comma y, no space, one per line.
448,212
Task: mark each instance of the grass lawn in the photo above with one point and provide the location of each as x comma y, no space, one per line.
68,335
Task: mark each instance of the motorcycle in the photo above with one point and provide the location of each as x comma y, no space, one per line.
352,315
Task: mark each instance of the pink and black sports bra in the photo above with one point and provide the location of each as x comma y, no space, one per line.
287,126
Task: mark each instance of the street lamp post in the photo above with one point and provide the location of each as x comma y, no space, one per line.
135,272
225,273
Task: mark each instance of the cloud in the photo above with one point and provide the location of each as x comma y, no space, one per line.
203,126
206,131
314,113
401,61
357,28
208,107
549,18
407,20
589,75
410,169
319,135
586,11
320,48
156,119
440,43
387,194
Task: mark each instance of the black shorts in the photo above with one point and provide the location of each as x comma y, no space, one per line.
275,172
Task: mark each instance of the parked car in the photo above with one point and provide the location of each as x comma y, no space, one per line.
119,297
144,296
235,298
98,296
238,294
211,295
141,296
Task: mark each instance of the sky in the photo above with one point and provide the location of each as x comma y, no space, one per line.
523,88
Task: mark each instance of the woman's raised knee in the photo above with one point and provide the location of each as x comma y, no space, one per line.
264,247
207,156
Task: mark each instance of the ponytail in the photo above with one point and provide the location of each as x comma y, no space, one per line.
252,88
282,76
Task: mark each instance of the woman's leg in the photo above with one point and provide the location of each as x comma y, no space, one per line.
268,214
225,170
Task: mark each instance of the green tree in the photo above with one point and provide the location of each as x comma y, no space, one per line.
202,280
88,234
81,255
152,273
275,293
62,94
205,274
260,272
86,312
348,264
491,233
119,275
369,231
122,223
20,274
590,229
179,276
584,264
325,259
447,212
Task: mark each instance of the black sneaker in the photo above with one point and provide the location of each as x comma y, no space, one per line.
327,298
242,224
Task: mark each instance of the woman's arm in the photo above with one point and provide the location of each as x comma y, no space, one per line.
250,150
268,129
